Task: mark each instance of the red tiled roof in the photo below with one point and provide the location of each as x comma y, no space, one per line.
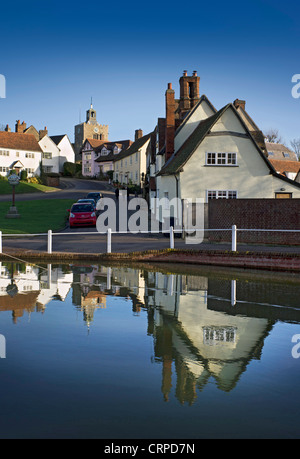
282,166
17,141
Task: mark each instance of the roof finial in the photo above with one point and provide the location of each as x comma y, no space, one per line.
91,102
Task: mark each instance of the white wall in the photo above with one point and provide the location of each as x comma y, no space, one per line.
66,152
32,163
48,146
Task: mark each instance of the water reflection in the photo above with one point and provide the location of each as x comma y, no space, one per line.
203,327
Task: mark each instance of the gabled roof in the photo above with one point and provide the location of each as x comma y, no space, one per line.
111,156
134,147
180,158
203,98
17,141
57,138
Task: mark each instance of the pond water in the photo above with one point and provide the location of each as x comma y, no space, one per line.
115,352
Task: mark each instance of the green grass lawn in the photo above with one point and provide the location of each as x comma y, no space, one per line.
6,188
37,216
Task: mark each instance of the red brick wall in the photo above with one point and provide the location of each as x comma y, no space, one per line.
283,214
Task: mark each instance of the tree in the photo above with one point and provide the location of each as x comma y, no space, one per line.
295,143
273,136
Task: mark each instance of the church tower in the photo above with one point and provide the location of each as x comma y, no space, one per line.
90,129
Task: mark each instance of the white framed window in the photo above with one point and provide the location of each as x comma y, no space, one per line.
29,155
221,194
130,160
4,152
136,157
87,156
47,155
220,159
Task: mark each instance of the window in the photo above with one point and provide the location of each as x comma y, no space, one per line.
87,156
221,194
285,154
130,160
270,153
47,169
136,175
87,169
29,155
17,154
221,159
3,169
136,157
47,155
4,152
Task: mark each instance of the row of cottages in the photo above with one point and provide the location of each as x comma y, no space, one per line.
130,165
54,150
98,156
126,158
202,152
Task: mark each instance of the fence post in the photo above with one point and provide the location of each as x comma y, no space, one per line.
171,237
49,241
108,241
0,241
233,238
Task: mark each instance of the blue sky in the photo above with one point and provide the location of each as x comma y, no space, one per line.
56,56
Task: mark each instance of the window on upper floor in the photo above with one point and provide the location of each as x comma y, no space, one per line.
285,154
47,155
221,159
221,194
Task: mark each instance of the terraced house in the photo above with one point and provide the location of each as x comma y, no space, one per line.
130,164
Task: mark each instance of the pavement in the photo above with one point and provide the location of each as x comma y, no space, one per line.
69,240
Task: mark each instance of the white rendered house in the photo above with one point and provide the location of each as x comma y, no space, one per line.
19,152
67,153
50,155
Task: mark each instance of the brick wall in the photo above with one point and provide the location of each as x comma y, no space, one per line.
255,214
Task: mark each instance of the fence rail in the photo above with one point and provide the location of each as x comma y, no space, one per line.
171,231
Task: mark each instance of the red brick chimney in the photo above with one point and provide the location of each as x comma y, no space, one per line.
43,132
170,121
20,128
239,103
138,134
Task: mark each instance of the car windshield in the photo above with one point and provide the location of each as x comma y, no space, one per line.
93,195
86,200
82,208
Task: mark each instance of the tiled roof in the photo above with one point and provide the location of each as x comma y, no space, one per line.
282,166
134,147
17,141
111,156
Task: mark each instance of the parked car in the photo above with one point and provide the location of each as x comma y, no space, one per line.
95,195
87,201
82,214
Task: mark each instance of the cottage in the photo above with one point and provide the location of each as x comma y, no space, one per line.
19,152
130,164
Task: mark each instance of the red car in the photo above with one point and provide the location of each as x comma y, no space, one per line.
82,215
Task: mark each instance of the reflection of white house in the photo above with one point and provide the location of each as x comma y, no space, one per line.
33,289
19,152
209,342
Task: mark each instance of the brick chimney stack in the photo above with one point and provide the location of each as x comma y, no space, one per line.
170,121
43,132
20,128
7,128
239,103
138,134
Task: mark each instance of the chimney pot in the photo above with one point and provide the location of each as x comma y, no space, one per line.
185,73
169,85
195,73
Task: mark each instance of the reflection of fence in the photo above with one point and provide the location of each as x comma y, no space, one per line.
231,235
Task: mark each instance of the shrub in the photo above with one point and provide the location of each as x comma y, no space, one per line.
24,175
69,169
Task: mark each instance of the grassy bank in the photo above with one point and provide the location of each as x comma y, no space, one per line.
6,188
37,216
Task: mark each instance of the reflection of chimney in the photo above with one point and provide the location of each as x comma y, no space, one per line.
20,128
170,121
239,103
7,128
138,134
43,132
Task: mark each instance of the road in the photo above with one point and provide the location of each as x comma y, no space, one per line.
68,240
